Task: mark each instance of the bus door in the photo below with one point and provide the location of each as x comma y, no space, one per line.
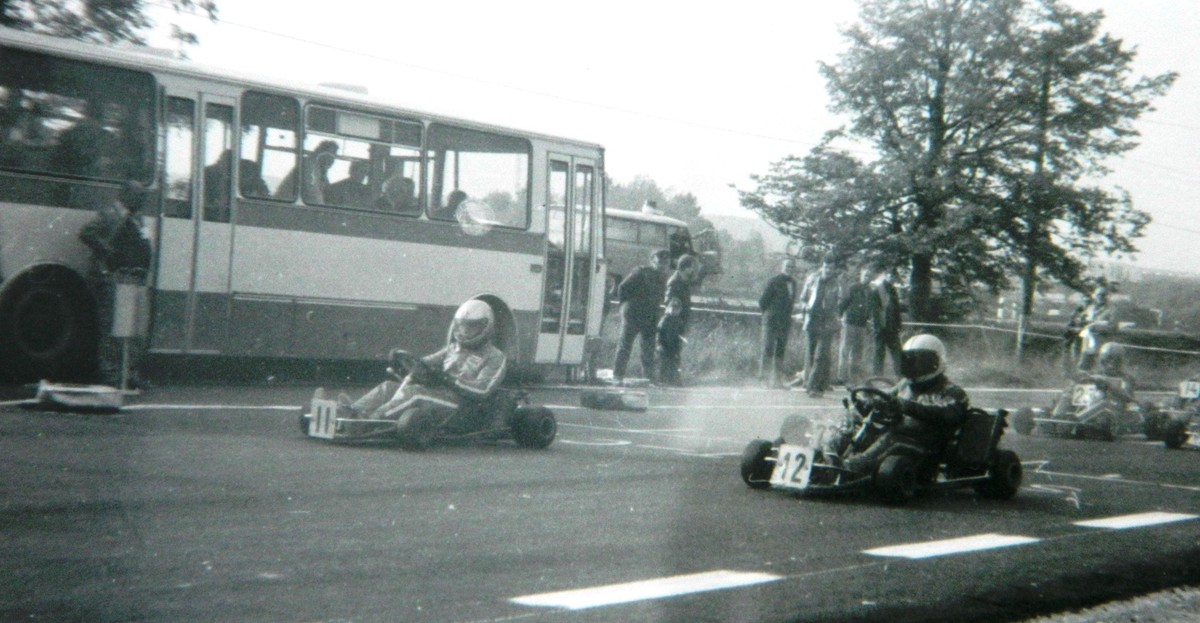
196,233
569,305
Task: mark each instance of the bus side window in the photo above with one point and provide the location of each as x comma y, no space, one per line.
69,118
492,170
270,125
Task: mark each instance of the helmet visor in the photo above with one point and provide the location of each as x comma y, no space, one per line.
918,363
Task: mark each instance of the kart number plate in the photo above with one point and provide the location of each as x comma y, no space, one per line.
792,467
1189,389
1085,394
324,419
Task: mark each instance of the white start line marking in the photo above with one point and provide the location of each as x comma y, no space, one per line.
1138,520
950,546
658,588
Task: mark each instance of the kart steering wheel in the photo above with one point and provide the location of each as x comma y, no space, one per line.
868,399
401,361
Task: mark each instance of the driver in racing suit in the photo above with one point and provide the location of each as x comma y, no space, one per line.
473,367
931,408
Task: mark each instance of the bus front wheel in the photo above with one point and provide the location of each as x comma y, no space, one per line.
47,330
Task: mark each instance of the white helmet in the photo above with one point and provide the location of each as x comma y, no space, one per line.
473,323
923,358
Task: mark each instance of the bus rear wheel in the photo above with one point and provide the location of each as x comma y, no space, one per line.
47,330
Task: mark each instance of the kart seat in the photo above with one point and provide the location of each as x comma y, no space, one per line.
972,447
475,413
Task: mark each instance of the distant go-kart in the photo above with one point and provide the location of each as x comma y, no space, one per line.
1183,426
505,415
796,461
1085,410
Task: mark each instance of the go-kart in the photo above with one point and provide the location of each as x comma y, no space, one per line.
1085,410
504,415
1183,427
801,459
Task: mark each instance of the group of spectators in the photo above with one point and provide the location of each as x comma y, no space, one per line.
829,311
642,294
655,305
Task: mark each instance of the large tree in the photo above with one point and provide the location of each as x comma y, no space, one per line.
100,21
943,97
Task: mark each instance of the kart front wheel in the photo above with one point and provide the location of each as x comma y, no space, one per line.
1023,421
1174,435
756,469
1004,477
897,478
534,427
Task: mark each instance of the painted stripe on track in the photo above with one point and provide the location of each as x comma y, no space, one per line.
164,407
658,588
947,547
1138,520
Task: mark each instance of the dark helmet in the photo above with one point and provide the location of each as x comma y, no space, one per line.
923,358
473,323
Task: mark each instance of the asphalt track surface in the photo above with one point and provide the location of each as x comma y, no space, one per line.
207,504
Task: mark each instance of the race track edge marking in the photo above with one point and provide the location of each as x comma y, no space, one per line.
1138,520
658,588
950,546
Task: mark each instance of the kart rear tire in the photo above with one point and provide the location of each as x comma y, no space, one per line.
534,427
304,421
1004,477
1156,425
1023,421
756,469
1174,435
896,479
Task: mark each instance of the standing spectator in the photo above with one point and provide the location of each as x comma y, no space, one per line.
855,311
885,316
776,304
674,322
1099,326
1071,339
640,294
120,254
819,301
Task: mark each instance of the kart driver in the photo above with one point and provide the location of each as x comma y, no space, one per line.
1112,368
931,408
472,365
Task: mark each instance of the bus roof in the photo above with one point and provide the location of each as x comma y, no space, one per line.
645,217
153,59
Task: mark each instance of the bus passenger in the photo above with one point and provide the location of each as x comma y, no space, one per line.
472,366
454,201
85,148
352,191
316,175
398,195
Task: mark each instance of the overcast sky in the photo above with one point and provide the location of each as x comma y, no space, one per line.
696,99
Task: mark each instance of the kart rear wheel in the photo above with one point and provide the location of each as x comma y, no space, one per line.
1023,421
534,427
896,479
756,469
304,420
1004,477
1156,425
1174,435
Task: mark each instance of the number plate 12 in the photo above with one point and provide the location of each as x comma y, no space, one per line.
792,467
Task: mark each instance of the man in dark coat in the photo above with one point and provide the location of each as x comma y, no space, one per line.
886,308
776,303
640,294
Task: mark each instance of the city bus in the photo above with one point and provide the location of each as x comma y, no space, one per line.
288,222
631,235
